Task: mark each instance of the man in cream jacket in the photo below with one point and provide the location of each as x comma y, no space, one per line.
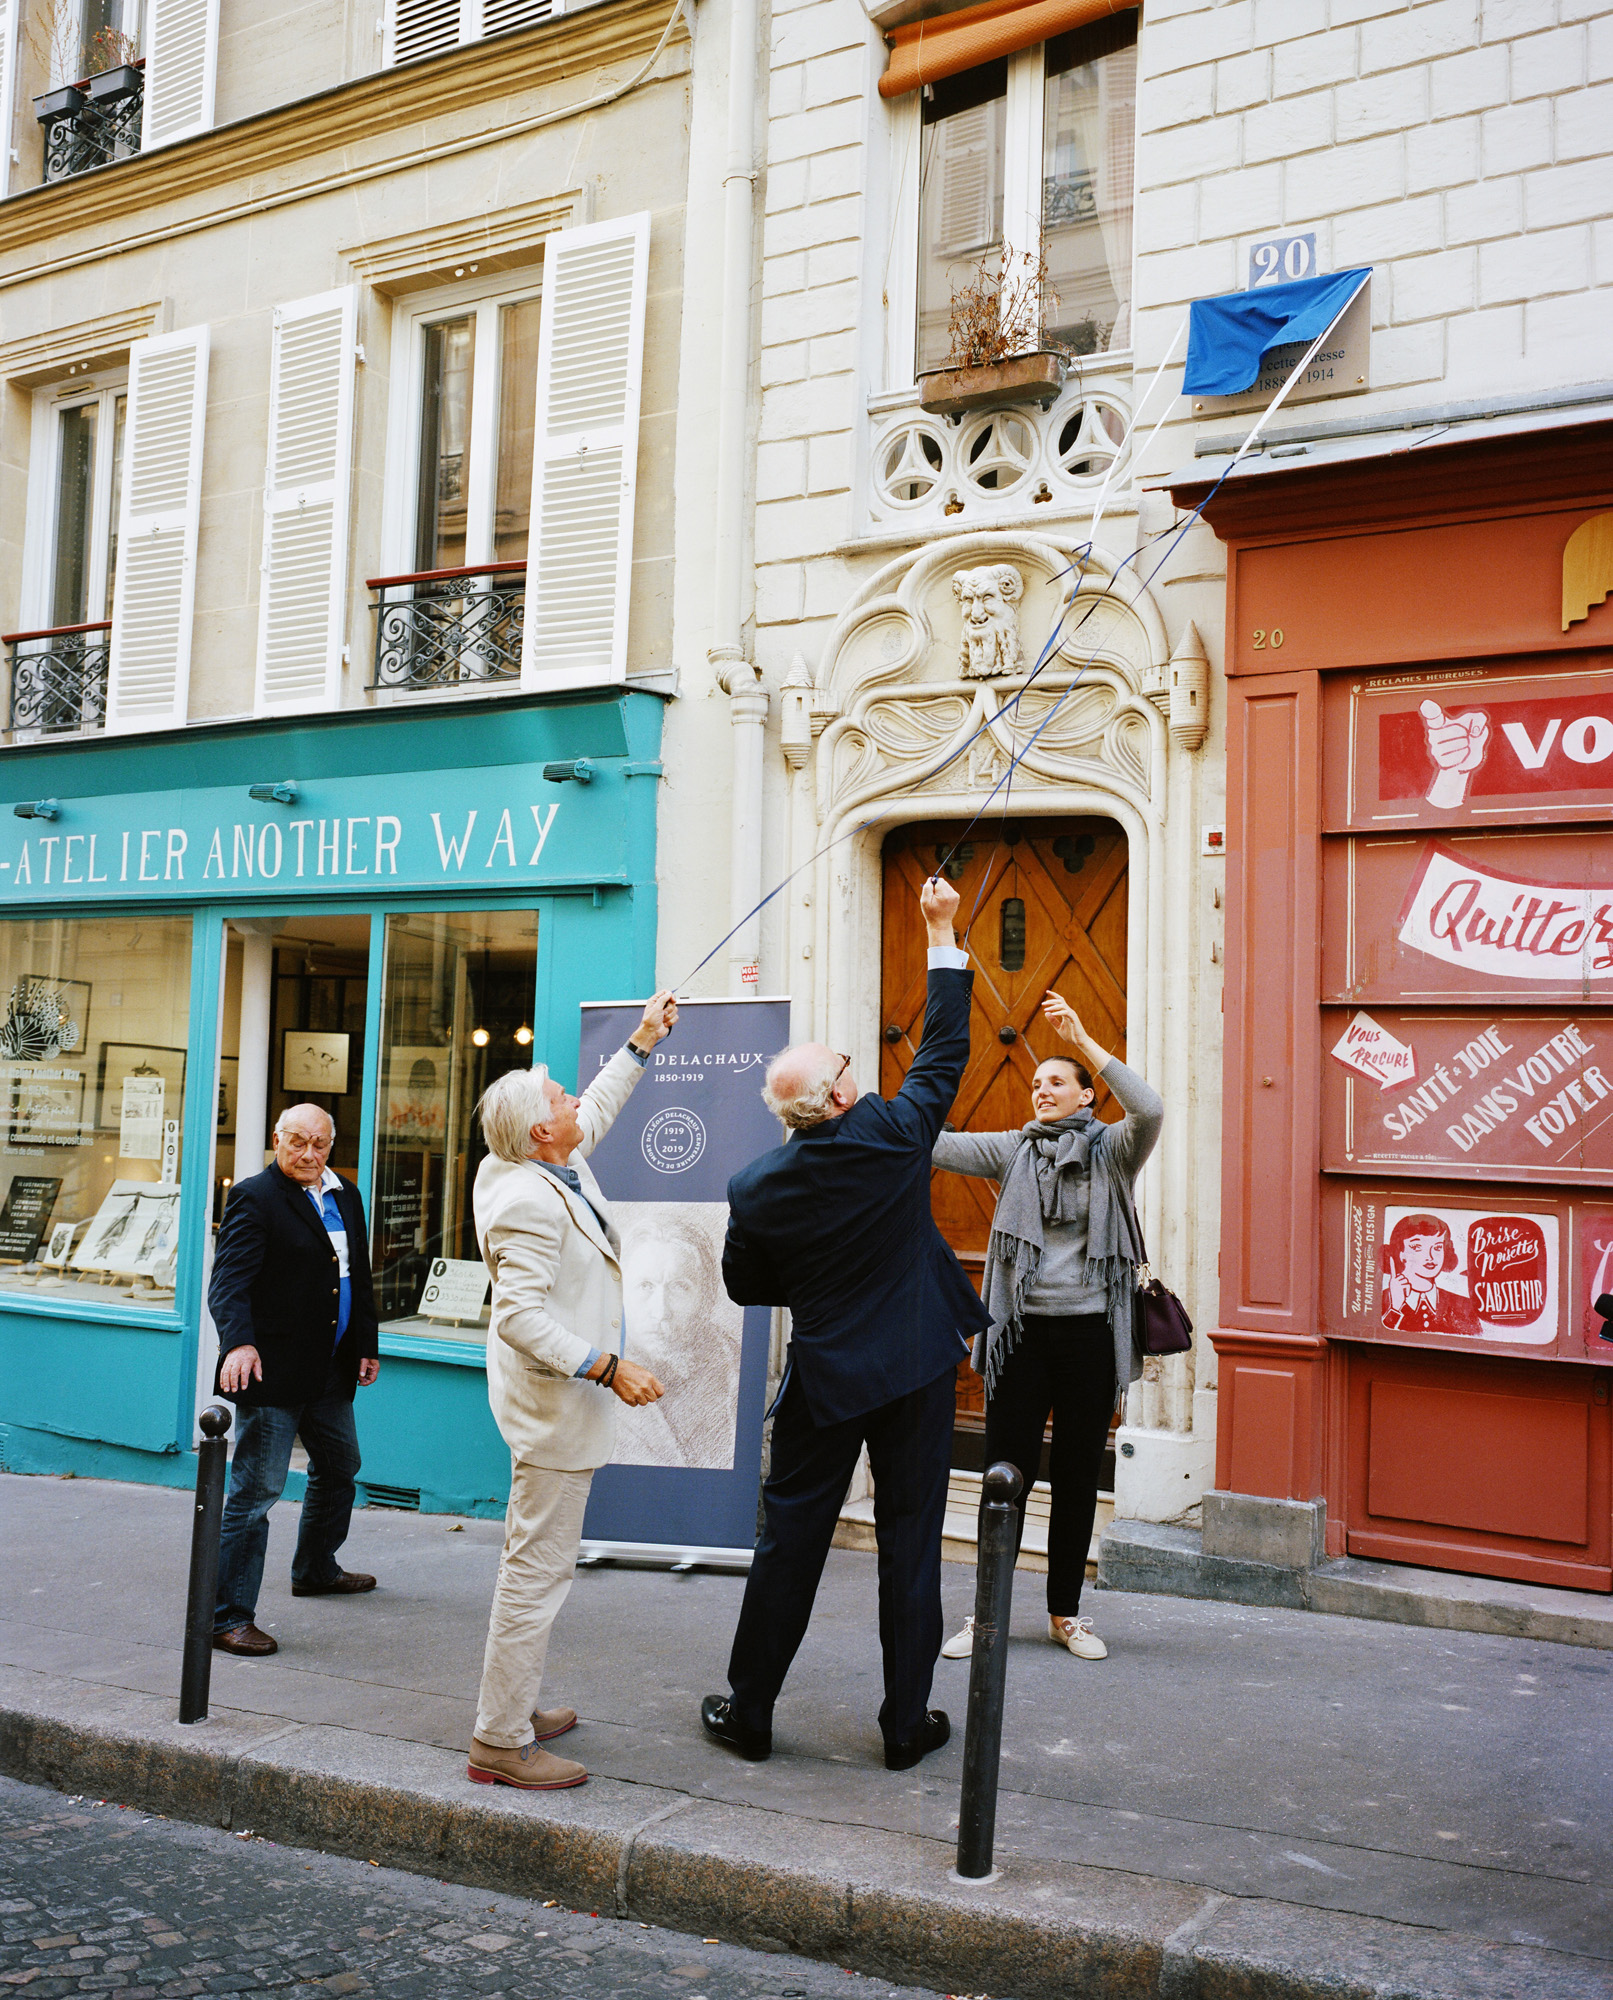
555,1369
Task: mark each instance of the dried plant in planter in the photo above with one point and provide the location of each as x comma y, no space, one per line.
110,48
1000,312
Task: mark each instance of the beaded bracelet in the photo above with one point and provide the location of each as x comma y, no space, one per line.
609,1375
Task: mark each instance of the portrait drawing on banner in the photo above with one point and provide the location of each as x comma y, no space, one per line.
683,1327
1419,1253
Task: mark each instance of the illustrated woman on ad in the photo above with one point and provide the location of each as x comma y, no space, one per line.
1418,1254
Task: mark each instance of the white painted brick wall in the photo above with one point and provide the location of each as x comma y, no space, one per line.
1464,148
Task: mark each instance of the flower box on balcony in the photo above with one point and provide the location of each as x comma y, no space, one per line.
1023,378
112,85
57,103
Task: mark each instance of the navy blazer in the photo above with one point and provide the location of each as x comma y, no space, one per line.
836,1225
276,1287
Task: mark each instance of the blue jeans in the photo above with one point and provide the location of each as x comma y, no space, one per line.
263,1441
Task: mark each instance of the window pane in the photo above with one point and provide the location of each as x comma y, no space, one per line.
1088,171
517,414
960,195
92,1060
456,1013
119,410
75,498
445,443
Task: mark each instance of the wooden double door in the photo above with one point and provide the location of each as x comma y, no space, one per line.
1048,901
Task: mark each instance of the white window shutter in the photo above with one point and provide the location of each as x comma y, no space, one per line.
585,455
181,64
148,683
504,17
416,28
8,84
302,604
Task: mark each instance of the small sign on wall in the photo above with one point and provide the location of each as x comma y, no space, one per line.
1337,368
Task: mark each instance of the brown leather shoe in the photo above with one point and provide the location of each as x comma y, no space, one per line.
549,1722
530,1768
345,1583
246,1640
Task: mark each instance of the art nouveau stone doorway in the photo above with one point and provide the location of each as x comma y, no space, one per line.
1050,900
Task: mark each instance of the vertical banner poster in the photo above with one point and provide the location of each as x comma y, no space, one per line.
685,1471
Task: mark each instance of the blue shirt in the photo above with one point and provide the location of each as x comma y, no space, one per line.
324,1199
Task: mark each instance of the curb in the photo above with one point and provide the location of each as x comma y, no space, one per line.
850,1895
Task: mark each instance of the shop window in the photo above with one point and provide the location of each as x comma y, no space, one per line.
93,1036
457,1004
59,661
1033,155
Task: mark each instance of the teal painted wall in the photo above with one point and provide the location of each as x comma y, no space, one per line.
107,1395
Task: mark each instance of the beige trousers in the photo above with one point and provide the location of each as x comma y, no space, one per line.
542,1531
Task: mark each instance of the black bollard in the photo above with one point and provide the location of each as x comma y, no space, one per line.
211,1457
988,1671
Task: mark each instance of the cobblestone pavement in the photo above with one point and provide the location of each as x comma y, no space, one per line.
98,1899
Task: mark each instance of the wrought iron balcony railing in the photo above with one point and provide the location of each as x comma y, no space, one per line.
58,679
449,627
92,123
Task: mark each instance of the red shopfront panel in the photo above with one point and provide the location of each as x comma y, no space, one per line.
1466,1112
1499,1469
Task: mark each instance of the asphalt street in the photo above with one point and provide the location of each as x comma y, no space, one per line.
99,1900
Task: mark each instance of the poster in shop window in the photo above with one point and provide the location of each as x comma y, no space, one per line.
685,1470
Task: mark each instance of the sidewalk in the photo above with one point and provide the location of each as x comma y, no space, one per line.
1238,1802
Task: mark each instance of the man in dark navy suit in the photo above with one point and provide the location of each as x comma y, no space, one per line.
295,1313
836,1225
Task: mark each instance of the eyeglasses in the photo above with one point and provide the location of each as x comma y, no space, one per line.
845,1064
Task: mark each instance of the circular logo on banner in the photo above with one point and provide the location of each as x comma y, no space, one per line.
673,1139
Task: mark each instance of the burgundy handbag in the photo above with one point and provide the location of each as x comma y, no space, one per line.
1158,1317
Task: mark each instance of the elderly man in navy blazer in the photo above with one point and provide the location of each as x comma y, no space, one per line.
292,1302
836,1225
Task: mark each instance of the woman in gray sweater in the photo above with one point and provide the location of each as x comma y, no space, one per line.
1060,1276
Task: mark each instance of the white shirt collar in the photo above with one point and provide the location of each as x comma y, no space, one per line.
316,1195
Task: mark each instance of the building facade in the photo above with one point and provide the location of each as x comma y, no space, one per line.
1154,156
308,361
356,370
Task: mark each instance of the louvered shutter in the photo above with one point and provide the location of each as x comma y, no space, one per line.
155,592
181,63
503,17
585,455
418,28
302,608
8,84
967,219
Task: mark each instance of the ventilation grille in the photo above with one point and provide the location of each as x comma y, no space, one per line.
406,1498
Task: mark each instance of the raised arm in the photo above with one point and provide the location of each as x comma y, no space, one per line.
600,1104
1133,1138
932,1082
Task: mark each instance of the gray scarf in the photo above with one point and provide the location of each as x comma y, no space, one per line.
1040,1187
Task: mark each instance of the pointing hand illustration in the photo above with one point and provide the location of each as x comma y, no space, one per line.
1457,746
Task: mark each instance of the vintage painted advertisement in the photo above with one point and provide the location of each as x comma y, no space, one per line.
1509,1096
1447,1266
1524,915
1469,747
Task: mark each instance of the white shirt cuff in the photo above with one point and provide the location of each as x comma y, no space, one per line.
948,958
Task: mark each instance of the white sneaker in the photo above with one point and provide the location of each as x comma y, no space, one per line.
1077,1634
961,1644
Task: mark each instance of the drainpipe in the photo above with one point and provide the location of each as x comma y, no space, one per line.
736,675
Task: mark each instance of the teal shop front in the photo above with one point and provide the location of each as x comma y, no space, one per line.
378,913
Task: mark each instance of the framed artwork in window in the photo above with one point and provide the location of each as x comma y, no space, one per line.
121,1061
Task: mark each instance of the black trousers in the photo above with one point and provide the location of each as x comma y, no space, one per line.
909,1449
1064,1365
